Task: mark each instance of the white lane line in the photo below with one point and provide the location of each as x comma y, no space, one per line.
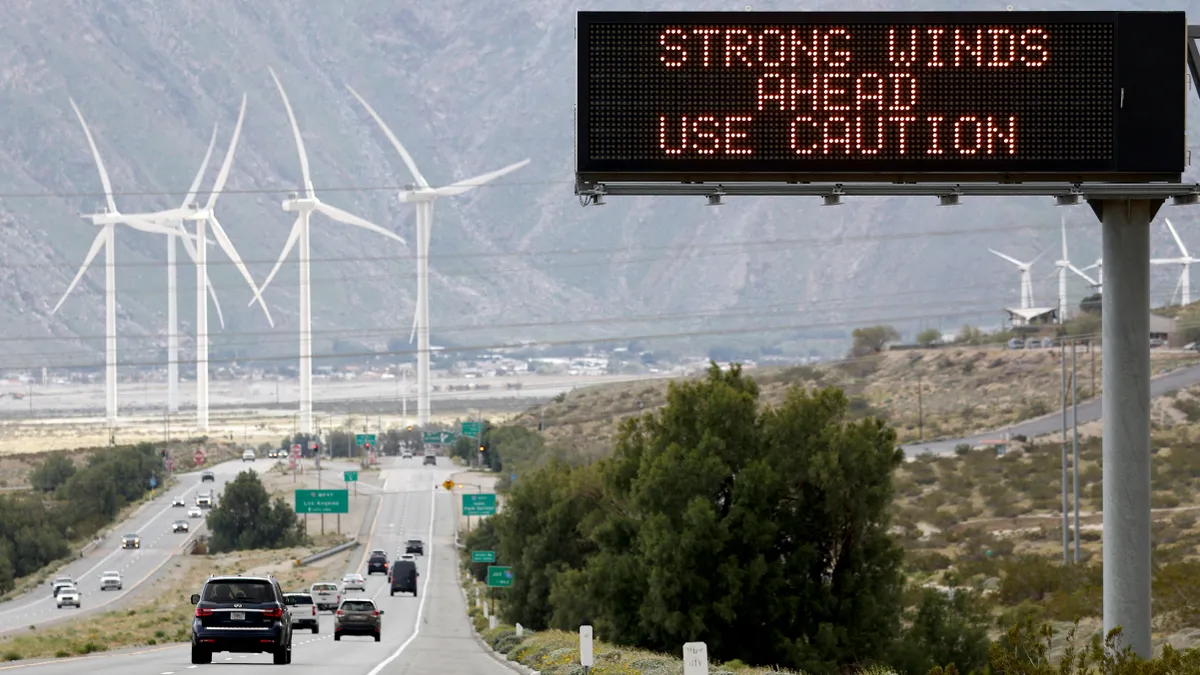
190,667
169,672
424,596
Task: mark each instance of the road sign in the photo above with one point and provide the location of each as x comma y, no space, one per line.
349,476
449,484
880,96
479,504
322,501
438,437
499,577
695,658
296,450
483,556
364,440
585,646
473,429
198,456
153,482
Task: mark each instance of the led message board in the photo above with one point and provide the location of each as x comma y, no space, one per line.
881,96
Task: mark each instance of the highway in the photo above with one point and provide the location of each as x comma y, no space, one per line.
1089,411
426,634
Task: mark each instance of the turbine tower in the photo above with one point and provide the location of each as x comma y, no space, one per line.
107,219
202,218
1185,261
424,196
1026,277
1064,266
304,206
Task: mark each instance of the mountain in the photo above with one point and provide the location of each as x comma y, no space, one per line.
468,86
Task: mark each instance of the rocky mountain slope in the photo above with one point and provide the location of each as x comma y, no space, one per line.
469,86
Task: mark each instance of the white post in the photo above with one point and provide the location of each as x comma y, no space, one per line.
493,621
404,394
201,326
172,331
110,328
305,422
520,630
424,214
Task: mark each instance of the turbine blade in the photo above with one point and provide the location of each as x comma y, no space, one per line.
1174,233
472,183
108,195
351,219
1080,272
97,244
212,293
231,251
1037,257
308,188
1010,259
191,195
416,317
223,175
293,237
408,160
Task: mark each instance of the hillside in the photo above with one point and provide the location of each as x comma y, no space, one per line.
469,87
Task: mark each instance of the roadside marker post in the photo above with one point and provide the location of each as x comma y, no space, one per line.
695,658
586,658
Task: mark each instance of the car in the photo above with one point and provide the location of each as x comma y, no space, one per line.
67,597
403,577
248,455
205,500
179,526
414,546
378,562
59,584
354,582
430,459
208,476
358,616
131,541
406,455
304,611
326,594
111,580
244,615
195,512
409,557
178,501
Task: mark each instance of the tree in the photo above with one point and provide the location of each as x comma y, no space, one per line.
969,335
943,629
1092,304
929,337
245,518
52,473
872,339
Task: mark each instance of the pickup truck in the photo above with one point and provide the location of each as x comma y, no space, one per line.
326,595
110,580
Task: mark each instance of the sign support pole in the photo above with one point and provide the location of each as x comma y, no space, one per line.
1126,411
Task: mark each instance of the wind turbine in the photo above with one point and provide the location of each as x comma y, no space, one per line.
1026,277
107,219
1063,266
424,196
1185,262
202,218
304,206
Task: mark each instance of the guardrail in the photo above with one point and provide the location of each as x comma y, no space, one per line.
321,555
90,546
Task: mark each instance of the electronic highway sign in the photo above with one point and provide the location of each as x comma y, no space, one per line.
904,97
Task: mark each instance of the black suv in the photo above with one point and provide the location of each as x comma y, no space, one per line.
209,476
414,546
377,563
241,615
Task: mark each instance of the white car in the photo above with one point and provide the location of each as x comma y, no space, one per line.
178,501
195,512
111,580
354,582
68,596
248,456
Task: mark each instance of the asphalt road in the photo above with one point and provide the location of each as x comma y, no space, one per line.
425,634
1089,411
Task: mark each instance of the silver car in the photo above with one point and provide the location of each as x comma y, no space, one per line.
68,596
354,582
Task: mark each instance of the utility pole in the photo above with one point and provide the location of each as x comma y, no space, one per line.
1075,443
1066,533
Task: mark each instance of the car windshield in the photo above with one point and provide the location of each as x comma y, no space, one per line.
352,577
358,606
301,599
378,557
414,541
324,587
131,536
238,591
112,574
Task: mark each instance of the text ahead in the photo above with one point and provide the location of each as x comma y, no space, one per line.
890,97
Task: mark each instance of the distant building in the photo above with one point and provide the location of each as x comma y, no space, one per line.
1163,328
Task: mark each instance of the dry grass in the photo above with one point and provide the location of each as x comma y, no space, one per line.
1004,386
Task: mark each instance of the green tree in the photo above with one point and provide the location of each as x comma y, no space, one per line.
872,339
481,538
53,473
1092,304
943,629
245,518
929,337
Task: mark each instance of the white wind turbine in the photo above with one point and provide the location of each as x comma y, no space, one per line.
424,196
1063,266
107,220
204,217
304,206
1185,261
1026,277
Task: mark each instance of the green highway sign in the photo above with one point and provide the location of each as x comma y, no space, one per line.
438,437
350,476
322,501
483,556
362,440
499,577
473,429
479,504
